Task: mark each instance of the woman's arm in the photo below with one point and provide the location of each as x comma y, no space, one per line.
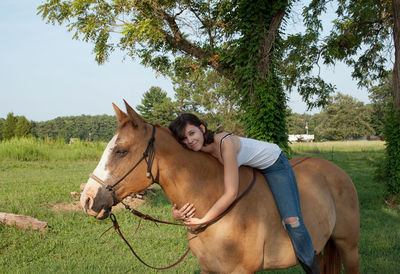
231,186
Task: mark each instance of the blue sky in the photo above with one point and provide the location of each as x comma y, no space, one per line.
45,74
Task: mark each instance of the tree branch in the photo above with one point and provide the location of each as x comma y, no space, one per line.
267,43
177,39
179,42
207,27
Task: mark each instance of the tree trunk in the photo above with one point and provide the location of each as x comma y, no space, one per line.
396,68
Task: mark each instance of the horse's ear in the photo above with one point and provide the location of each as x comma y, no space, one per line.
137,120
119,113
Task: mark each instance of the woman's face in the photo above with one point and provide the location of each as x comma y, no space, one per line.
193,137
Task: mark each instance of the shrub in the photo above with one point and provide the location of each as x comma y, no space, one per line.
392,159
31,149
23,149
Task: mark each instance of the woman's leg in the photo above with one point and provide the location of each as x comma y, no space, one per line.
283,185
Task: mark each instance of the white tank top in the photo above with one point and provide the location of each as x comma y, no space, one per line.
257,154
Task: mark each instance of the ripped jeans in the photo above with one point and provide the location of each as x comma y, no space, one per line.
283,185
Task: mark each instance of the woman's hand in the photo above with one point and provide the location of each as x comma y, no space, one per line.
184,213
193,223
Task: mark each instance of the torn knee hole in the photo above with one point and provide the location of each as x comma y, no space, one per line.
292,221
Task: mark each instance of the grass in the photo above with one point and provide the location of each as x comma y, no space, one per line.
29,183
30,149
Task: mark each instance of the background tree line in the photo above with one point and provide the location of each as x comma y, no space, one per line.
84,127
343,118
208,95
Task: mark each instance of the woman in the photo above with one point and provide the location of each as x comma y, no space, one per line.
233,151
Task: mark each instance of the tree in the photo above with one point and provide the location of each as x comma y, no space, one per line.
243,41
345,118
208,94
297,123
157,107
363,36
1,127
84,127
392,159
9,126
239,40
22,127
381,98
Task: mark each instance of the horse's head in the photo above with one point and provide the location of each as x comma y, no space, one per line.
124,150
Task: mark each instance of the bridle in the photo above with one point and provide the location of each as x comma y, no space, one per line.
148,157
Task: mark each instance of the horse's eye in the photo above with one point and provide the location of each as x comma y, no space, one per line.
121,152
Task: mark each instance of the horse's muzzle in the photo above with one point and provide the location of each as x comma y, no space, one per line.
103,214
96,201
100,215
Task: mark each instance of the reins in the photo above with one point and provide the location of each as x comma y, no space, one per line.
149,218
299,162
118,231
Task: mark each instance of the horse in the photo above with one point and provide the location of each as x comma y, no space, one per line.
250,237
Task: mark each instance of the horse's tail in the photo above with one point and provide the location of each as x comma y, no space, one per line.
329,259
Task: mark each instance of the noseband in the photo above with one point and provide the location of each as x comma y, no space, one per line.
148,157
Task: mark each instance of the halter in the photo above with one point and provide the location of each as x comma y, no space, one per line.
148,157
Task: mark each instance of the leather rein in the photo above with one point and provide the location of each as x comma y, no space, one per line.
148,157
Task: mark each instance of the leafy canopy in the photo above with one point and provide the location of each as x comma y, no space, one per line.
361,37
344,118
236,39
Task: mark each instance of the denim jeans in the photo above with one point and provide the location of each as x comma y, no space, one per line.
282,182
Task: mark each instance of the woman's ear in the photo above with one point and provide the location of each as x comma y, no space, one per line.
203,128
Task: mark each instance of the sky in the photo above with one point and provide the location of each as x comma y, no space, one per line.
45,74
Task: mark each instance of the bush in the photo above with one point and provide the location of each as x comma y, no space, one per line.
392,159
31,149
23,149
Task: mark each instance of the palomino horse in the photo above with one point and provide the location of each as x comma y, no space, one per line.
251,236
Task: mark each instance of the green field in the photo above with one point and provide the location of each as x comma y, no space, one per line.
35,176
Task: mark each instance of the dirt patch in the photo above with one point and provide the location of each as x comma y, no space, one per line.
76,206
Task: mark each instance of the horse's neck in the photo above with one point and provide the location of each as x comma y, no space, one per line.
188,176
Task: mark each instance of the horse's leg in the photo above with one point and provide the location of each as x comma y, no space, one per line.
348,250
346,235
